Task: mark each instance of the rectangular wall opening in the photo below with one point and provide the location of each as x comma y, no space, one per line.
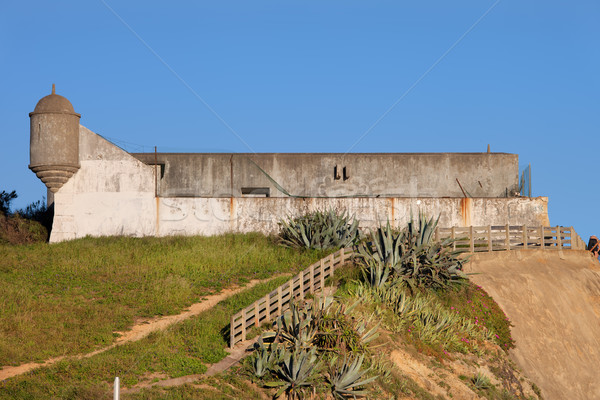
256,192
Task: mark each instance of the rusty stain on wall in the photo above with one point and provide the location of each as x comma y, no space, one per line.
466,206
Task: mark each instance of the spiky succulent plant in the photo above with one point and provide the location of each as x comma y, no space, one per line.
347,379
319,230
296,371
410,256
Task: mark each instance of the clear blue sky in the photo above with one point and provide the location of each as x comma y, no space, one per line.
315,76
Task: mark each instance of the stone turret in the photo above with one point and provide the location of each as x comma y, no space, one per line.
54,141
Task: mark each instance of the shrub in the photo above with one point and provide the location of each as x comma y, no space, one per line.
410,257
28,225
319,230
5,200
304,335
18,230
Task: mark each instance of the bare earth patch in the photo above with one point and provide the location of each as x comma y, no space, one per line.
427,378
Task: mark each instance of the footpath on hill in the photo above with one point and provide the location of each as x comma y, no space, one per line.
553,300
140,330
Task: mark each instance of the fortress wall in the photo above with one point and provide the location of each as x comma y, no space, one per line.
217,215
313,175
111,194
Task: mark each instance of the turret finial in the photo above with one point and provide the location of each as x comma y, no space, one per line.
53,89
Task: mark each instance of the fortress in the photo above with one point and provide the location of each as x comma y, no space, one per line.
99,189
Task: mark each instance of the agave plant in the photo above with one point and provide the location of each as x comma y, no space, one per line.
297,327
340,330
297,372
347,380
481,381
320,230
265,358
384,248
410,257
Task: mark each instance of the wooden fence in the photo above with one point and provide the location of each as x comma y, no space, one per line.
509,237
277,302
469,239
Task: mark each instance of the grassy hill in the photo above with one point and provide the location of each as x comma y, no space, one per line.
71,298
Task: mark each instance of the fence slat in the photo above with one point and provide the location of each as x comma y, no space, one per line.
471,240
243,324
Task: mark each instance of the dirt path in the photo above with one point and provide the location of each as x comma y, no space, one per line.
140,330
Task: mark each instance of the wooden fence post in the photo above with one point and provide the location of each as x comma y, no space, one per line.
279,301
453,236
490,238
243,324
524,236
542,244
559,237
268,308
256,312
232,334
322,276
301,277
312,278
472,239
507,237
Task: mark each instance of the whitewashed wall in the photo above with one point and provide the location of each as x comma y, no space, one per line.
113,194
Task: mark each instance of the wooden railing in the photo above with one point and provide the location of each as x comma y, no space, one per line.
277,302
469,239
510,237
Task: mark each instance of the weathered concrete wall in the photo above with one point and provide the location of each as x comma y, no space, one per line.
553,300
111,194
218,215
313,175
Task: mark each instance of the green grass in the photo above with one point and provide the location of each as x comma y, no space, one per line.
183,349
69,298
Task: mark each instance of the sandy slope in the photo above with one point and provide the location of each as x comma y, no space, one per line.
553,300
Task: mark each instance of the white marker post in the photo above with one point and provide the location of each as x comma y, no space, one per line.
116,390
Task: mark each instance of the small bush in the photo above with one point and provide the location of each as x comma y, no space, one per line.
5,199
410,257
18,230
319,230
290,357
29,225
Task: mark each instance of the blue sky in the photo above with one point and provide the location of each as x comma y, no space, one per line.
316,76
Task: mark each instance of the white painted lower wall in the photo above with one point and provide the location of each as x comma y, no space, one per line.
210,216
134,214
